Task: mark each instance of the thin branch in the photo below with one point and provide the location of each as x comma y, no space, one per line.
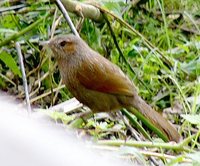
144,152
87,10
7,79
17,45
140,144
12,8
47,93
66,15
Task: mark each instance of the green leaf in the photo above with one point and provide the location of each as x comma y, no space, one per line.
10,62
192,67
114,7
61,116
184,47
132,53
193,119
7,22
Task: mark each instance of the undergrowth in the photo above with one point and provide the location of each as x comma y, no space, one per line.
173,29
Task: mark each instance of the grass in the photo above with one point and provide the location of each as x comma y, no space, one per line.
156,43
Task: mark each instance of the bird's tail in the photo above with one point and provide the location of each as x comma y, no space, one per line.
157,119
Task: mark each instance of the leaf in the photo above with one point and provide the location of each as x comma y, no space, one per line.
184,47
193,119
192,67
10,62
61,116
114,7
195,157
132,53
7,22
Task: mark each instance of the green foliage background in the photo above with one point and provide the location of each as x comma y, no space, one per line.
172,26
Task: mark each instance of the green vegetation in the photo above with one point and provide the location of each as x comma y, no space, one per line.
158,46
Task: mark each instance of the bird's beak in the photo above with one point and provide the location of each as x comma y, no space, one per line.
50,43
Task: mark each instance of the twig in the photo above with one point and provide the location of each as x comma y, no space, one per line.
144,152
172,146
47,93
17,45
192,20
66,15
54,23
187,140
12,8
147,43
7,79
87,10
141,144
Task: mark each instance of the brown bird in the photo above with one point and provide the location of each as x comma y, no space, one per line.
100,84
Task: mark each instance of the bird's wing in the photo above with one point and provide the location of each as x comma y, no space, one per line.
103,76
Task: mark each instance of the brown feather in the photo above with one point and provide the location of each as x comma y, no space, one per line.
112,81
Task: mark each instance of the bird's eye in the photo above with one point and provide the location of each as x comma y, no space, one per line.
63,43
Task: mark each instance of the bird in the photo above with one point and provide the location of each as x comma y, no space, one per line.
100,84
